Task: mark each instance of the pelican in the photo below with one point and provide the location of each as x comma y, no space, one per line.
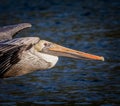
19,56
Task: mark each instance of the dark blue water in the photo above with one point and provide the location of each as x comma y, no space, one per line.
90,26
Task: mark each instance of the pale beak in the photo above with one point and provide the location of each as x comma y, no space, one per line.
63,51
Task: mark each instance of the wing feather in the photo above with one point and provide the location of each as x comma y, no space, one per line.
9,55
7,32
11,51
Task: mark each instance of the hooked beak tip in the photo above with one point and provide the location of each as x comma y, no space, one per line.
102,58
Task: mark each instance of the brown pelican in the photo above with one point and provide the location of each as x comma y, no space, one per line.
20,56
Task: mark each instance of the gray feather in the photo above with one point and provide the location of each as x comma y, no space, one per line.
9,55
7,32
11,51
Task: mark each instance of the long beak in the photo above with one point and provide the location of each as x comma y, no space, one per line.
63,51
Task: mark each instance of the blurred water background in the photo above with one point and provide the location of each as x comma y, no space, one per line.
88,25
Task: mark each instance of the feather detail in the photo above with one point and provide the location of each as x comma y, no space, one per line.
7,32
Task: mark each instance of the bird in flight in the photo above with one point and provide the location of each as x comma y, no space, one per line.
19,56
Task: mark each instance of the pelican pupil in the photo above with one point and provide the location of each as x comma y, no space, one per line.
45,44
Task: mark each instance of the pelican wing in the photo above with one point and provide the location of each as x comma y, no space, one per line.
7,32
11,51
9,55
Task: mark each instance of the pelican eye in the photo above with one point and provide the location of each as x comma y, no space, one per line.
47,44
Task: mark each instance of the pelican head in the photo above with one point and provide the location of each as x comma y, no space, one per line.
54,49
